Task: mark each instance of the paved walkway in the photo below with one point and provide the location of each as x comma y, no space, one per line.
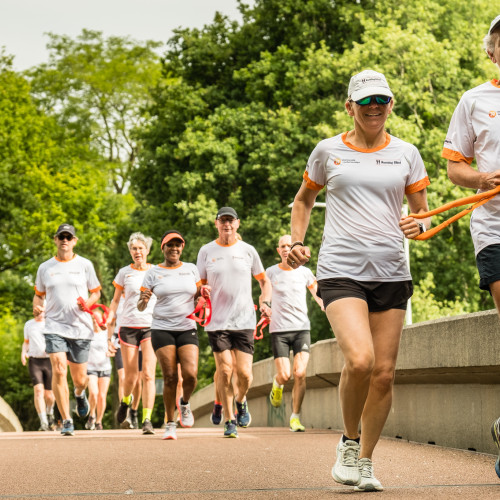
263,463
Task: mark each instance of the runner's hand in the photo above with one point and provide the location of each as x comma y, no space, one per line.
409,227
205,291
298,256
265,310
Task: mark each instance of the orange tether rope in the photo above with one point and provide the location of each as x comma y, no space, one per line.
477,200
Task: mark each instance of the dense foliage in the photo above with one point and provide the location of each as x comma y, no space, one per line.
113,139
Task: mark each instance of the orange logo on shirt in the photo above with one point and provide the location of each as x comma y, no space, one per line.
493,114
337,161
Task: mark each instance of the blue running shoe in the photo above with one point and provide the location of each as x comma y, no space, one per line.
82,405
243,416
68,429
230,430
216,416
495,432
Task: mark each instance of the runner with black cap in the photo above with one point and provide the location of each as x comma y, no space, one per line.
60,281
227,265
176,285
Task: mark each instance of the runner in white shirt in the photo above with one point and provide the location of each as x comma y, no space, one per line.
176,285
362,274
40,370
290,328
68,329
99,372
474,133
135,331
227,265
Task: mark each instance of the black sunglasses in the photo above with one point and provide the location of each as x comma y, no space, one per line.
379,99
65,236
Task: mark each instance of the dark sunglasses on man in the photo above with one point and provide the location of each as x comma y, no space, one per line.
64,236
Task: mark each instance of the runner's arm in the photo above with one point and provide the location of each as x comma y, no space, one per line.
113,307
301,214
418,205
24,352
93,298
38,306
314,292
265,295
462,174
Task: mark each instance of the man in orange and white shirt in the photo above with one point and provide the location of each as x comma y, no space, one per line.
227,265
290,328
474,133
68,329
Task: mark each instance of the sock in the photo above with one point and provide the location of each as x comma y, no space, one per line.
295,415
79,395
43,418
217,403
146,414
345,438
181,401
133,412
50,410
275,384
127,399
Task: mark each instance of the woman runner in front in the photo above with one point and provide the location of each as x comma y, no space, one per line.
176,285
363,277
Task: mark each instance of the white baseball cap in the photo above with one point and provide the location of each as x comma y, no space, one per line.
368,83
494,24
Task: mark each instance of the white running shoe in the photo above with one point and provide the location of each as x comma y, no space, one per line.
345,470
170,431
368,481
186,417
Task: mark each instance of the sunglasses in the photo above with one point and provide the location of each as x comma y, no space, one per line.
62,237
379,99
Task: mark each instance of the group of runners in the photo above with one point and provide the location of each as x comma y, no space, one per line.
363,281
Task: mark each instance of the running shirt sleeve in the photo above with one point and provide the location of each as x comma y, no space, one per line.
417,179
315,174
92,282
119,281
201,264
258,271
459,142
149,280
309,277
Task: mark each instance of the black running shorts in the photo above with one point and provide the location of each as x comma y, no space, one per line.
239,340
162,338
283,342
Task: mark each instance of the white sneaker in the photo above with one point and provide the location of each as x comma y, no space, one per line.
186,417
345,470
368,481
170,431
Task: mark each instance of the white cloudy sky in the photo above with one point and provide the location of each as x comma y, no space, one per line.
24,22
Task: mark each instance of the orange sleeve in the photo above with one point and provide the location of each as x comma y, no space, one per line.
449,154
95,289
199,283
310,287
311,184
116,285
204,282
260,276
417,186
39,293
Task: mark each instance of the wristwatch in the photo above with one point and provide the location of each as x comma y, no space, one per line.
268,304
422,227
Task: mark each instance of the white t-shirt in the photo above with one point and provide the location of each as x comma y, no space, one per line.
61,283
174,288
289,306
33,335
364,196
98,361
130,279
228,269
474,132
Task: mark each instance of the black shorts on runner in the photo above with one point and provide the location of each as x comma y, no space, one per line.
162,338
40,371
77,350
379,295
133,337
283,342
488,265
227,340
119,359
100,374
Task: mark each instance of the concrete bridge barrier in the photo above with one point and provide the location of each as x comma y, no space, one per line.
8,419
447,388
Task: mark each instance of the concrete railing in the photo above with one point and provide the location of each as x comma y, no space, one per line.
447,389
8,419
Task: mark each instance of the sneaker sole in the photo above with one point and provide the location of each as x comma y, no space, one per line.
274,403
348,482
231,436
297,430
215,423
368,487
126,425
67,433
246,425
169,438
